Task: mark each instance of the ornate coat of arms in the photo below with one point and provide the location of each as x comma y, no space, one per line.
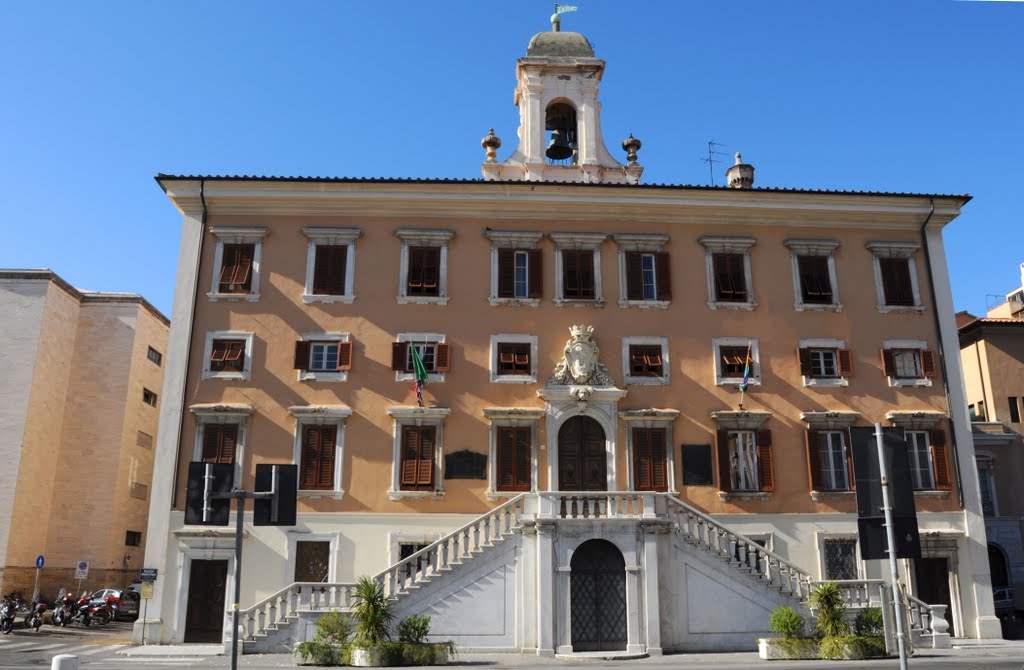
579,364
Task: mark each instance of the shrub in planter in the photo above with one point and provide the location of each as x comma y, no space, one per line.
330,642
373,613
786,622
827,599
869,622
414,629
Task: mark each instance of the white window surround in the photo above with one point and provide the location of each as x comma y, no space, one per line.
825,248
319,375
415,237
208,352
728,245
221,413
411,415
895,250
319,415
516,417
578,241
824,382
237,235
666,367
510,239
506,338
755,358
651,418
820,538
296,536
397,539
644,243
331,237
908,344
432,377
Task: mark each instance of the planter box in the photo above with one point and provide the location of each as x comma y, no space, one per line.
368,657
334,660
778,649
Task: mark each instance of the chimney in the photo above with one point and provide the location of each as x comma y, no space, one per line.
740,175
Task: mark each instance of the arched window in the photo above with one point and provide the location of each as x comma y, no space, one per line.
997,564
561,136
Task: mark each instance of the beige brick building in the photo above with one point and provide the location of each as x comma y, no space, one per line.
79,402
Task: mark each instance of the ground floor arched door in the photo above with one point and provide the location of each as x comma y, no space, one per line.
997,566
582,457
598,597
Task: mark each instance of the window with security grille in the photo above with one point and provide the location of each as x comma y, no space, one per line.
312,561
132,538
840,559
833,460
919,449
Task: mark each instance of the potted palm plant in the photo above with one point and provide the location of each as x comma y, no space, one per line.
373,615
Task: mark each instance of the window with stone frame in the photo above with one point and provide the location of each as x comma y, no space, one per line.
325,356
312,561
513,359
219,442
730,277
227,356
650,464
895,272
330,269
896,284
648,276
514,458
236,268
645,360
416,470
839,559
319,447
829,459
825,363
815,279
745,461
436,356
520,273
578,274
424,273
908,363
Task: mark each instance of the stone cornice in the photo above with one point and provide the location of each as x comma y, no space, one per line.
536,201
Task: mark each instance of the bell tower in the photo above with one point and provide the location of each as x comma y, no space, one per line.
560,117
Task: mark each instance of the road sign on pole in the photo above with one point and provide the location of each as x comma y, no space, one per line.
39,561
82,570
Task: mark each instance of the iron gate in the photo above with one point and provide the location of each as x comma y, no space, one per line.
598,597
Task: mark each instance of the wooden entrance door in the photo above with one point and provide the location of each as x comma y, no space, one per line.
204,617
598,597
582,459
932,577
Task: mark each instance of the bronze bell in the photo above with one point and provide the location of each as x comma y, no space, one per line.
559,148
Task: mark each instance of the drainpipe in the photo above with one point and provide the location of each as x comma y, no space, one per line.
942,357
188,349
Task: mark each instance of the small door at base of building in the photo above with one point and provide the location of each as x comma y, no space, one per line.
204,614
598,597
932,579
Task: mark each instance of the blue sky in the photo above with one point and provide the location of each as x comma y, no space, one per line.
919,96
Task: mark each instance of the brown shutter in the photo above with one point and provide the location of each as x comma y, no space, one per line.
524,460
399,356
506,459
765,470
325,476
211,443
570,274
845,362
804,356
302,355
813,459
228,443
414,274
321,271
642,459
506,273
586,265
663,275
410,455
928,363
722,454
659,464
431,270
425,474
310,457
344,355
943,478
442,357
888,363
849,460
634,276
535,273
329,269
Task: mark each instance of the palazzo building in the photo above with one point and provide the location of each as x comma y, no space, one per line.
584,471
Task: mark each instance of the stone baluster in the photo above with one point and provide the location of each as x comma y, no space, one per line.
939,627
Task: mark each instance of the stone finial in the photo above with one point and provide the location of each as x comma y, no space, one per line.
740,175
491,143
631,145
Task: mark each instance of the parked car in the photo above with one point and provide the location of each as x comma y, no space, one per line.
1003,599
124,602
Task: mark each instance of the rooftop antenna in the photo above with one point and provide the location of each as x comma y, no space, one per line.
556,18
713,157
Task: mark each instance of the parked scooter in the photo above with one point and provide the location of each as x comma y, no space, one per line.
64,608
34,619
7,611
100,613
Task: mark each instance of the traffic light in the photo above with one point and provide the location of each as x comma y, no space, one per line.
200,488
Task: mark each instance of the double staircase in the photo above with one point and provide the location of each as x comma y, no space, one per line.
286,617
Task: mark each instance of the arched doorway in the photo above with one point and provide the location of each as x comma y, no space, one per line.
582,458
997,565
598,597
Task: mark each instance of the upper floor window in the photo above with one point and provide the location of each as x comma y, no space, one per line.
219,442
825,362
323,356
745,461
424,266
512,465
149,397
236,263
896,276
220,434
650,462
319,437
418,445
644,270
330,264
987,485
517,268
513,359
645,360
728,272
814,274
908,363
732,363
228,355
578,268
829,460
434,353
154,356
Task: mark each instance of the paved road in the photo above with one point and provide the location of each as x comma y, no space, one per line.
25,648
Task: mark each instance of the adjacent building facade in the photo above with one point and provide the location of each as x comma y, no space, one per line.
79,403
584,470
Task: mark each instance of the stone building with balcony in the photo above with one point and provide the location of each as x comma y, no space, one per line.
637,398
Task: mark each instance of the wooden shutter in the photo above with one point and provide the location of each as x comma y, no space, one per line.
845,362
329,269
425,468
896,283
431,270
722,454
442,357
928,363
659,464
399,356
848,441
634,276
940,459
506,459
414,274
236,268
524,459
410,456
642,460
888,363
535,273
219,441
663,275
344,355
804,357
302,355
765,469
506,273
813,442
318,457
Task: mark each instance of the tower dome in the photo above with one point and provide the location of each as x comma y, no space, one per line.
559,44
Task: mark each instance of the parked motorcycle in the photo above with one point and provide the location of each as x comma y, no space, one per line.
99,613
34,619
7,611
63,608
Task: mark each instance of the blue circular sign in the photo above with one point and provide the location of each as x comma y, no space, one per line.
39,561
